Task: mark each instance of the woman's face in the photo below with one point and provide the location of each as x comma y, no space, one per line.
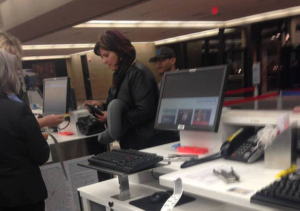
110,58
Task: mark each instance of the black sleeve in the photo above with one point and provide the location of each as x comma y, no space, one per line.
36,146
143,94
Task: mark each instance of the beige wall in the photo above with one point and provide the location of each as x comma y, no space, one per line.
75,73
295,36
100,75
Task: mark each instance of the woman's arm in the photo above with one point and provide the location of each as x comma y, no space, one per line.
50,121
36,145
143,94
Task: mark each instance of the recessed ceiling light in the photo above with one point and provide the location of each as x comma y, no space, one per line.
45,57
56,46
197,35
192,24
150,24
64,46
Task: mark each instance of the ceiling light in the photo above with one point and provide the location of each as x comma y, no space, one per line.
197,35
287,37
63,46
264,17
150,24
56,46
273,37
278,35
45,57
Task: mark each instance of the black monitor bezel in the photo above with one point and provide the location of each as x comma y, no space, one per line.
67,94
221,96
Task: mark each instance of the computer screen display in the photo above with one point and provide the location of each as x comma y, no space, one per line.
72,100
192,99
56,95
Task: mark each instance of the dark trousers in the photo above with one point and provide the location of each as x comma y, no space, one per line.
40,206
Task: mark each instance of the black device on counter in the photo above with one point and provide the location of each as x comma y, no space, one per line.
94,110
128,161
283,194
241,146
156,201
160,196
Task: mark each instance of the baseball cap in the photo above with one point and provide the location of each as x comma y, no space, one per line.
163,52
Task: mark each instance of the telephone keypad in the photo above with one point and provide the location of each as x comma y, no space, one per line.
244,151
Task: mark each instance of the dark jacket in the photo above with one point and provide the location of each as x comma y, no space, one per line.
139,90
22,149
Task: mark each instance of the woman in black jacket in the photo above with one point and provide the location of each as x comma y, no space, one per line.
22,145
135,89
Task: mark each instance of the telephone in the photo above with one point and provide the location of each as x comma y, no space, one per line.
242,146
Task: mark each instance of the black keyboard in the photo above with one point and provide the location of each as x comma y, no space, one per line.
128,161
283,194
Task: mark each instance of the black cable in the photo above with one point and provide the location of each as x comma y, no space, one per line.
152,173
66,119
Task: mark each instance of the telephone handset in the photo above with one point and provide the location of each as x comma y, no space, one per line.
242,146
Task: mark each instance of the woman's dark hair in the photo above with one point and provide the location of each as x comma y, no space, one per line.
113,40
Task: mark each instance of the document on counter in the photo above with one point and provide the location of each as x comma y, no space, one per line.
205,176
62,193
202,176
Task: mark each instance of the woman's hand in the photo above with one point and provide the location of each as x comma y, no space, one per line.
51,120
102,118
94,103
45,135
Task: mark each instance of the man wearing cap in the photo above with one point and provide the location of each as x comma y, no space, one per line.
165,60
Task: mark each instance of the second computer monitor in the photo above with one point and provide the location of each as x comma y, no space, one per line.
56,95
192,99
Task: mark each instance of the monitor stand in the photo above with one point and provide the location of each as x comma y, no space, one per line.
210,140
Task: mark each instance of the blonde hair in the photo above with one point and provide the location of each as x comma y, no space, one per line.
10,63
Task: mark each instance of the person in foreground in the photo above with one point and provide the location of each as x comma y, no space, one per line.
132,98
22,146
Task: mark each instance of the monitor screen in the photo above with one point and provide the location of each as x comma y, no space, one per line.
72,100
56,94
192,99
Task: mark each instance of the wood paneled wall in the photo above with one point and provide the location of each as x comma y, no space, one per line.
100,75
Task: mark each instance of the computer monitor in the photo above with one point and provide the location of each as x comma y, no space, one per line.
192,99
56,95
72,100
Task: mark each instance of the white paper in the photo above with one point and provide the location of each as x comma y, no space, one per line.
205,176
202,176
177,193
